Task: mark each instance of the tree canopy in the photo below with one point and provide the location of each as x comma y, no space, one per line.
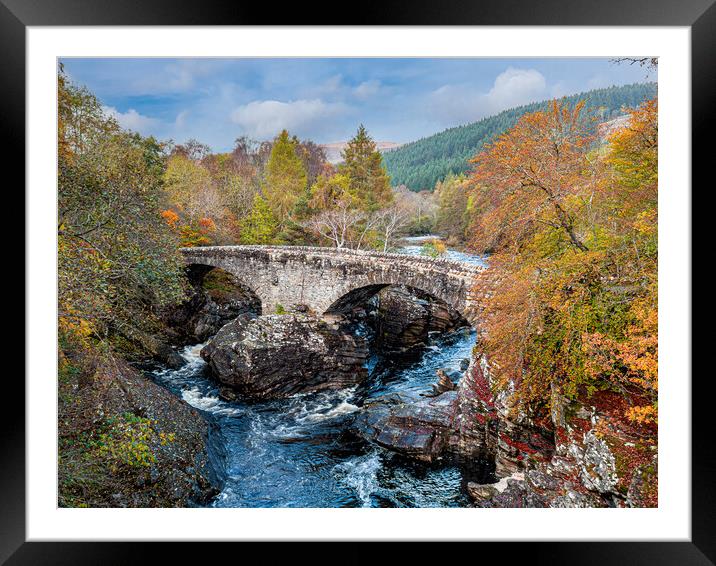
115,254
571,222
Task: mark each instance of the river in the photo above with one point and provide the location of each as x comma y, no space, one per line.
299,452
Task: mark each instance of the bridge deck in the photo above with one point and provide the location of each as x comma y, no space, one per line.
315,251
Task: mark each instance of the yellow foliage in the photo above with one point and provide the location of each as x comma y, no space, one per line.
573,236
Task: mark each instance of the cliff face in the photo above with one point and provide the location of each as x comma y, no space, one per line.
584,455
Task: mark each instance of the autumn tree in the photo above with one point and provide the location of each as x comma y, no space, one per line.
534,175
571,224
452,215
363,165
314,160
285,179
117,258
329,190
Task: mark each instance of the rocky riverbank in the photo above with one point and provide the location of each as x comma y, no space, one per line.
586,455
126,442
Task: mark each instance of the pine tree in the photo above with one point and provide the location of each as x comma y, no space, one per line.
260,225
286,177
363,165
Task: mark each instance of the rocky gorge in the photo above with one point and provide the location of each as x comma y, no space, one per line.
385,399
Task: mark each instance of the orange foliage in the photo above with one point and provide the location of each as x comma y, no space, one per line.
572,229
170,217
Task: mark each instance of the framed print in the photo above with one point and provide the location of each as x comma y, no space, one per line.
424,276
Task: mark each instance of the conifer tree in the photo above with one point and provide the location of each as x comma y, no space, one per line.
260,225
363,165
286,177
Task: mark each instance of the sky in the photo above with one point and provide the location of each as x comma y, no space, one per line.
398,100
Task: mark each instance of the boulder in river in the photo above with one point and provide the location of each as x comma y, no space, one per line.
444,384
276,356
417,427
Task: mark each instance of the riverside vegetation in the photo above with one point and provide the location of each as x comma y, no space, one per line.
562,387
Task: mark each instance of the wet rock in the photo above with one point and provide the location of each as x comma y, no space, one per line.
277,356
228,394
443,385
416,427
481,492
405,318
168,356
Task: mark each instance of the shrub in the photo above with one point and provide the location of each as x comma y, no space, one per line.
129,441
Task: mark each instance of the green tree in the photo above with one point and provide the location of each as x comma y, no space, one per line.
452,215
189,187
260,225
363,165
117,258
286,179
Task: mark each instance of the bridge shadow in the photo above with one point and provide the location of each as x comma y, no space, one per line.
361,296
222,286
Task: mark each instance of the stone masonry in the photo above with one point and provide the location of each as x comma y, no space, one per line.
330,280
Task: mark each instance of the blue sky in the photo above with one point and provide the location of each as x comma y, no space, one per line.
400,100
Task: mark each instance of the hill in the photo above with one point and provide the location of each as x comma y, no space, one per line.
420,164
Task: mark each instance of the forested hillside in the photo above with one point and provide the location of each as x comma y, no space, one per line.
421,164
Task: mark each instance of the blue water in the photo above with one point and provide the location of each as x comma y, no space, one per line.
299,452
413,246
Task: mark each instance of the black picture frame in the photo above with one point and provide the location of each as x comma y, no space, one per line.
699,15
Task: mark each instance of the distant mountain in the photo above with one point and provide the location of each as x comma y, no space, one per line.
333,150
420,164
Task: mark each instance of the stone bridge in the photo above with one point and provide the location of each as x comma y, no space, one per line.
332,281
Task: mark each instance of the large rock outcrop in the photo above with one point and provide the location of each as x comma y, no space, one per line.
116,401
277,356
405,317
584,454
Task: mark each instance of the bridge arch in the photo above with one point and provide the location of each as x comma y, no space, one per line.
198,272
321,279
359,296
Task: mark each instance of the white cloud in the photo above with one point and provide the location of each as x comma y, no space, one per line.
367,89
459,104
264,119
180,120
131,119
515,87
177,76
